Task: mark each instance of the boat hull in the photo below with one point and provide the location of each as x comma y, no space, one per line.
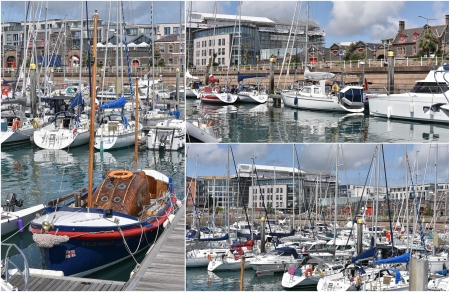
13,137
195,134
62,138
408,107
315,103
9,219
253,98
291,281
220,98
228,264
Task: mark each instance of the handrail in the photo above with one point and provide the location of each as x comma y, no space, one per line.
26,271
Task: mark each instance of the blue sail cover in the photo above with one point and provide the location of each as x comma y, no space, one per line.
398,276
248,235
404,258
191,233
119,103
282,234
370,253
245,76
225,237
287,251
77,100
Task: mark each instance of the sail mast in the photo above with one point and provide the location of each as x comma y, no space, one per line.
136,126
91,125
435,195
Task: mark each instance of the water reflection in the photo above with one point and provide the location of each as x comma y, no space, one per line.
270,123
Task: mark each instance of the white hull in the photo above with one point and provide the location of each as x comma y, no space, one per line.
317,103
291,281
221,98
199,258
228,264
253,97
410,107
60,138
13,137
168,135
273,266
116,139
203,133
9,219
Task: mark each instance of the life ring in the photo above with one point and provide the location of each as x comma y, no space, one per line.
236,257
16,125
209,257
217,89
308,270
123,174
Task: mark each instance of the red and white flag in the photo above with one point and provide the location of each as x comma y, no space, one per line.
70,254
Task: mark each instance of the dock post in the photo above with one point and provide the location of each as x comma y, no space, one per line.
33,88
272,84
207,74
418,274
241,283
263,235
359,235
390,72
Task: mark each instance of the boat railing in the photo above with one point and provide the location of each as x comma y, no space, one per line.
25,273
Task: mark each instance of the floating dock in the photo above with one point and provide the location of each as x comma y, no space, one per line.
163,268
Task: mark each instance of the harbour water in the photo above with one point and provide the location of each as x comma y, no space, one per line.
199,279
38,176
247,123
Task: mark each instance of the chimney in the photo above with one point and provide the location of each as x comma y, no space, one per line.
446,20
401,25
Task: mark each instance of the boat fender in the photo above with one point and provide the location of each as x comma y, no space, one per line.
16,124
20,223
411,107
171,217
35,124
388,112
320,272
295,100
166,223
308,271
209,257
236,257
179,204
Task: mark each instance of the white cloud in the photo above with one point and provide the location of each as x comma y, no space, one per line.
349,18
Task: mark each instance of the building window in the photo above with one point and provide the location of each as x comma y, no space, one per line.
223,42
220,42
223,51
402,37
176,30
170,49
210,52
166,30
181,48
223,61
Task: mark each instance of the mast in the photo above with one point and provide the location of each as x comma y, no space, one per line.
293,193
81,47
136,127
435,195
228,187
377,180
306,36
239,45
91,125
407,199
335,196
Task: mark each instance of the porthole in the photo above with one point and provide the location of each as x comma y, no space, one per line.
122,186
104,198
109,186
117,199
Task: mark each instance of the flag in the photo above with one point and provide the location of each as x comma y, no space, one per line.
70,254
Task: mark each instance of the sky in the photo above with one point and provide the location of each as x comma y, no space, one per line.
342,21
354,165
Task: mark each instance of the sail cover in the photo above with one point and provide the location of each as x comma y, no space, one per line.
245,76
317,75
119,103
370,253
77,100
399,259
225,237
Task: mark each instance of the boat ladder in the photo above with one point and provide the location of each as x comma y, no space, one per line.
51,140
6,262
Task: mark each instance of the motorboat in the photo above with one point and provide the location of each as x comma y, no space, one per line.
167,135
319,96
275,260
16,131
252,93
198,258
214,94
426,102
12,220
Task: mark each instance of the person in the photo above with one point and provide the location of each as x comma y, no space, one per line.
233,89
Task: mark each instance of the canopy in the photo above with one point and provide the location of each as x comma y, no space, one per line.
110,45
245,76
132,45
287,251
100,45
143,44
398,259
370,253
119,103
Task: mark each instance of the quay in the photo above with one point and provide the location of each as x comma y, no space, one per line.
163,268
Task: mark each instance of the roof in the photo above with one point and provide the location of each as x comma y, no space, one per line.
233,17
408,34
169,38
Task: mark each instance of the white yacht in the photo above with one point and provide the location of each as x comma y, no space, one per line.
427,101
167,135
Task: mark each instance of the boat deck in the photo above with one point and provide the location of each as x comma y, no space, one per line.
163,268
52,283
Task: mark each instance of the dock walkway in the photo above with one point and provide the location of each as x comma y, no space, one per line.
52,283
163,268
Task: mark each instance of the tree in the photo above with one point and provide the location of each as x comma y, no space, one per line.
245,53
428,43
349,51
212,60
161,63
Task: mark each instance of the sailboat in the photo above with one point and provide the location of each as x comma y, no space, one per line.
250,93
104,225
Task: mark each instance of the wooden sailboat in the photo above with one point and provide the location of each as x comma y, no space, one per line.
102,226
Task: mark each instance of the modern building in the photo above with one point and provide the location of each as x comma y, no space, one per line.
211,191
256,39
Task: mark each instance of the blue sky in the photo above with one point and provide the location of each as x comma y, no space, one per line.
351,21
356,161
344,21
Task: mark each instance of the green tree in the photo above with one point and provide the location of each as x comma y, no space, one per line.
212,60
161,63
245,48
428,43
349,51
